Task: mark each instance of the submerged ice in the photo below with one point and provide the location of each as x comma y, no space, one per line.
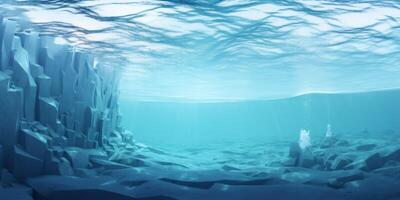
51,98
328,133
304,140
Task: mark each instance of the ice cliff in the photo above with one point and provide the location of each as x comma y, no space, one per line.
55,104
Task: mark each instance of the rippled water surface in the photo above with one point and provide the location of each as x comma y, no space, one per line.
177,50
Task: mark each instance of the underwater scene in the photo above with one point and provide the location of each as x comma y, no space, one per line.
199,100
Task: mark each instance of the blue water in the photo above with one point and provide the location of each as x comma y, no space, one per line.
231,99
176,125
209,51
196,72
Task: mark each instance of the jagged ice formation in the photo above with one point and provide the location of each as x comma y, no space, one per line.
55,104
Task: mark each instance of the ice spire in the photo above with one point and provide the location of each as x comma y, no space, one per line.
328,131
304,140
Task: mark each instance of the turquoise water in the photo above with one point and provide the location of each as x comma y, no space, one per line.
229,50
176,125
195,72
226,99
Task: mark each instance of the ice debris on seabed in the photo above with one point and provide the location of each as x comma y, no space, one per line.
328,133
60,138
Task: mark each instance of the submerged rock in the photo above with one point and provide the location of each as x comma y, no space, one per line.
340,181
34,143
230,168
17,192
291,162
366,147
7,179
307,159
342,143
294,150
374,161
56,164
391,171
391,153
79,158
26,165
340,162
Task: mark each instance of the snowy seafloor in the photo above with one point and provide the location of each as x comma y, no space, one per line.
224,99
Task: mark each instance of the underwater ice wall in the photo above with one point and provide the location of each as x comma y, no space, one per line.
51,98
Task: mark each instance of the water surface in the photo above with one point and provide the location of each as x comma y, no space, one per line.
181,50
